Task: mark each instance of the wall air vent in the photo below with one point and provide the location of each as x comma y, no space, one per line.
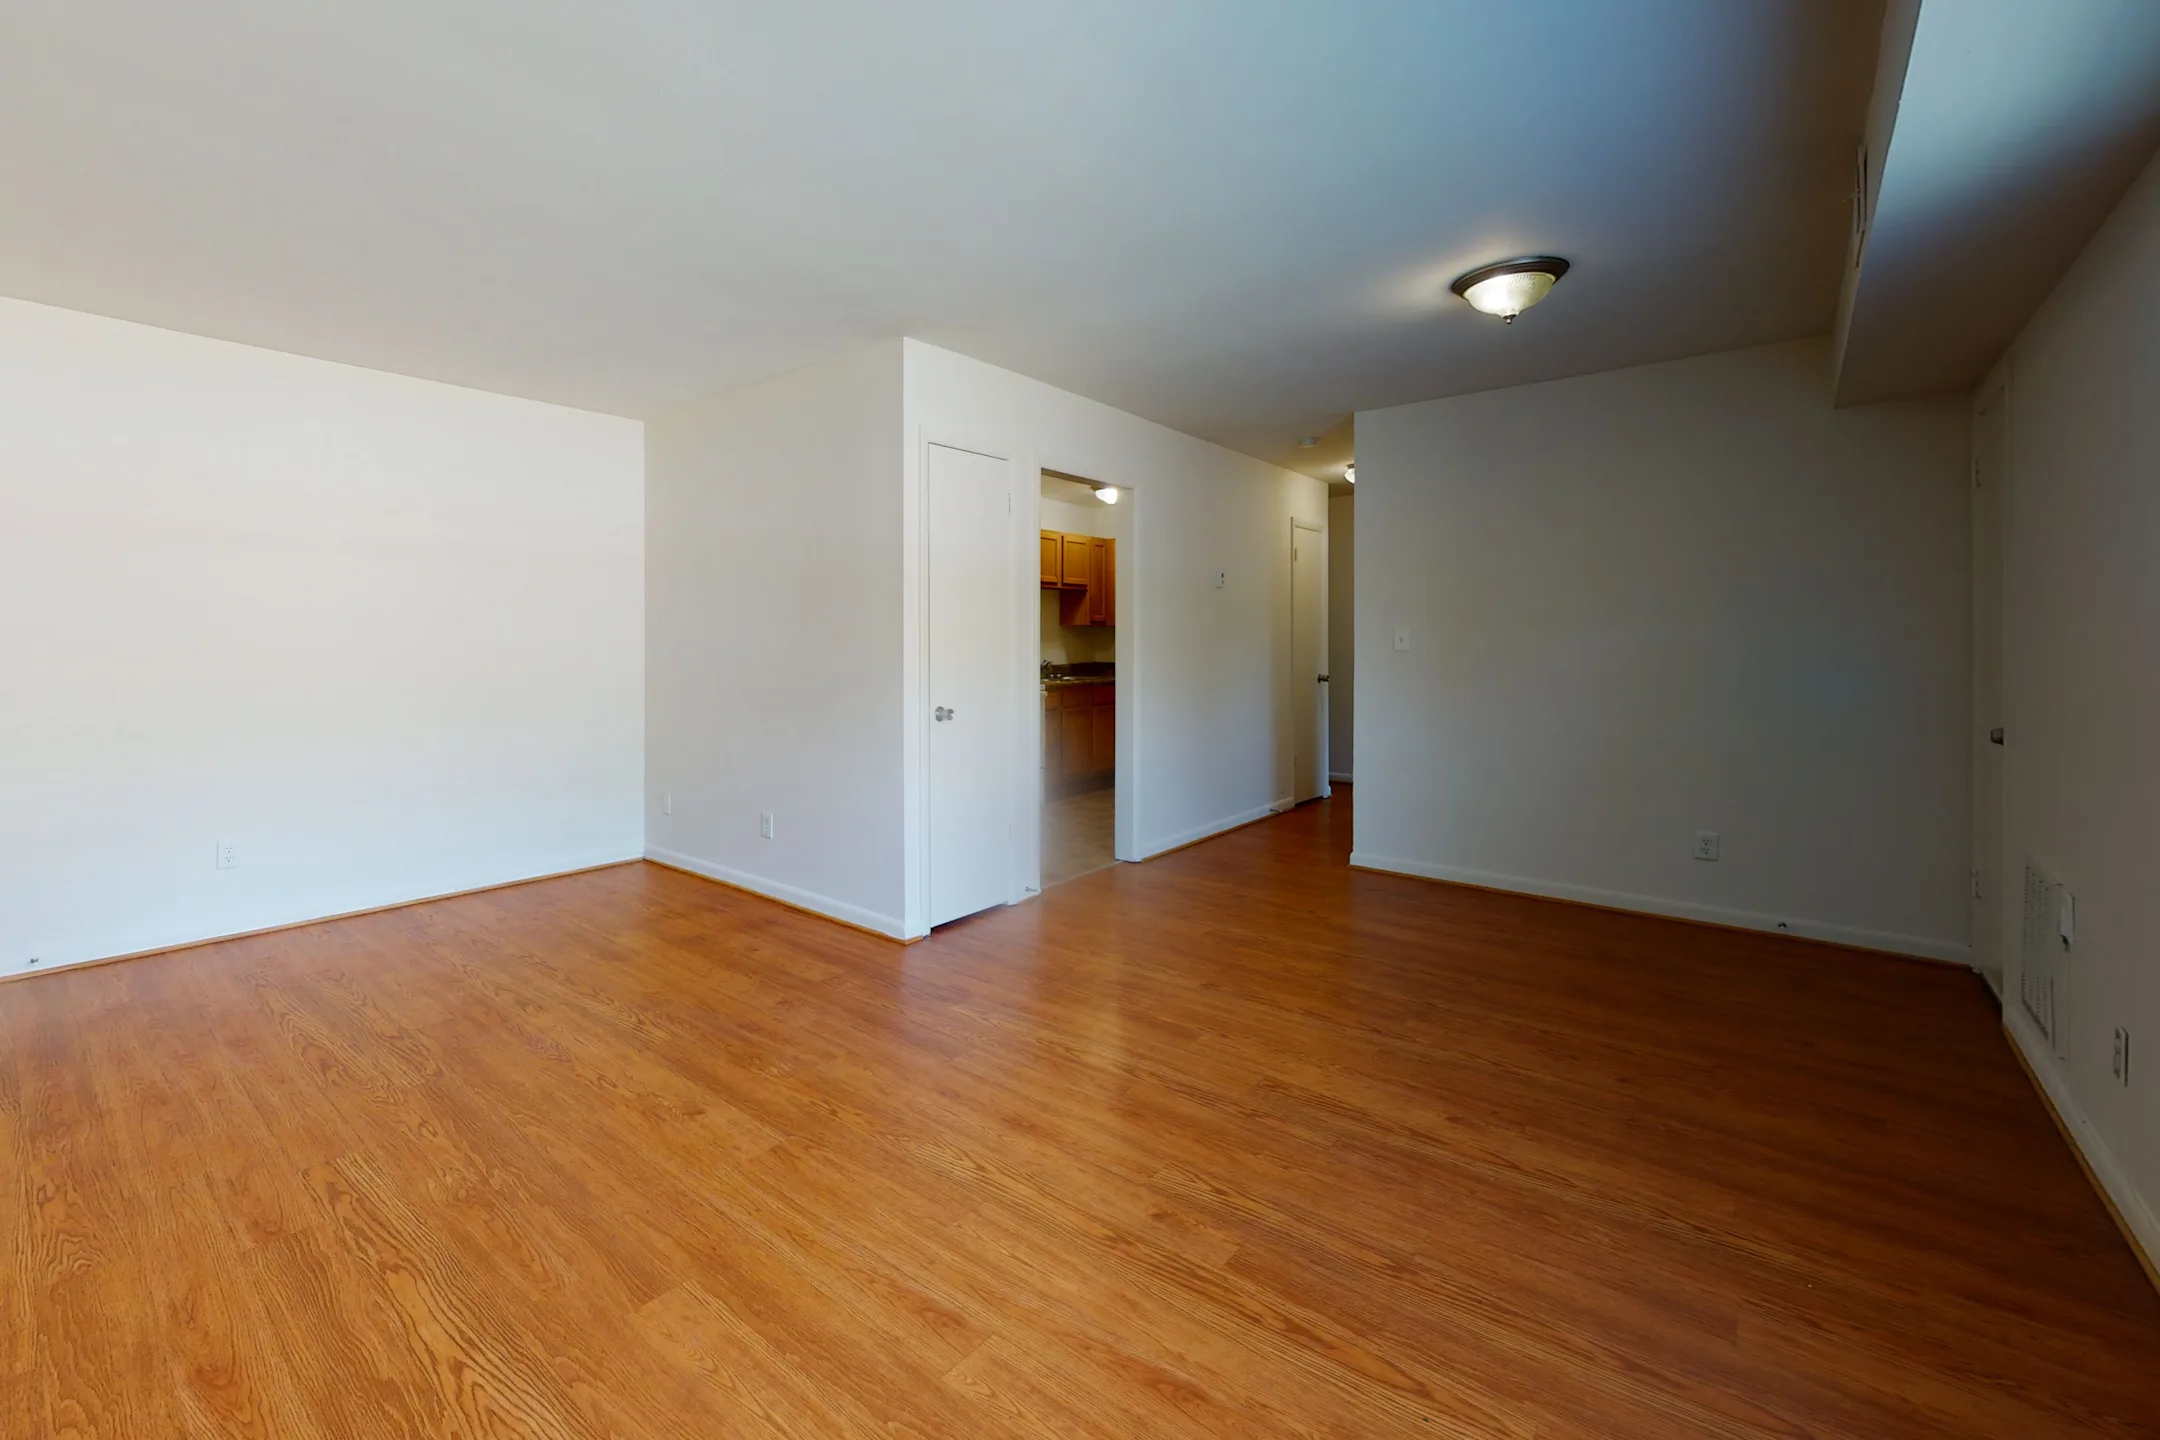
2043,973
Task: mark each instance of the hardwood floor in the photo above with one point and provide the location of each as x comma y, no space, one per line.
1235,1143
1079,834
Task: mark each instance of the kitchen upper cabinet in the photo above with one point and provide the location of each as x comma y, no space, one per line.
1085,576
1102,582
1084,569
1073,559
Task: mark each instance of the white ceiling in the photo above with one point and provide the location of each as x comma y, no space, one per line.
1237,217
1070,491
2017,127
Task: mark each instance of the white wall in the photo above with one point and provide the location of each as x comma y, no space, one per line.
1095,519
1203,673
773,622
1064,644
1342,635
1679,597
381,634
2082,691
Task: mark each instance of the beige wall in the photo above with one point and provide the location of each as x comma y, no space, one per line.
773,595
2082,667
382,635
1681,597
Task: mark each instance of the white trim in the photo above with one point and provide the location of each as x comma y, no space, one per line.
1953,952
774,890
2040,1059
173,942
1214,827
1340,777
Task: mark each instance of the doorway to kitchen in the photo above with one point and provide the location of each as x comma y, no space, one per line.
1082,522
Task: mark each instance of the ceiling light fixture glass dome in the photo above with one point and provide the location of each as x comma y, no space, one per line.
1107,494
1349,473
1511,286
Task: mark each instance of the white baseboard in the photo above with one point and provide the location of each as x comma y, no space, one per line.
775,890
1951,952
2135,1211
1213,827
1340,777
191,940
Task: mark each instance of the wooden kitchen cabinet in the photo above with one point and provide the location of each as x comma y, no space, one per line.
1053,741
1102,576
1084,569
1079,738
1077,762
1073,560
1096,602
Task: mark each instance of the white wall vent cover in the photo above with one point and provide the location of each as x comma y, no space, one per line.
2042,973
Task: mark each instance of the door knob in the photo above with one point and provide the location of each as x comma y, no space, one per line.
1323,679
942,713
1995,736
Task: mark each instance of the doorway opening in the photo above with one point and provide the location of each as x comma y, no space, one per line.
1082,522
1310,681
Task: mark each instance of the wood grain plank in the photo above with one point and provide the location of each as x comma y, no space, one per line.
1238,1143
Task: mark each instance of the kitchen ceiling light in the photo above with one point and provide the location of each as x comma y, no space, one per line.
1512,286
1107,494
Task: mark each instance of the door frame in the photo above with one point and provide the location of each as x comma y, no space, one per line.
1321,718
1995,911
1125,789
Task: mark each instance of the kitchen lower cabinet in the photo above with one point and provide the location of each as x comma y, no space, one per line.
1079,738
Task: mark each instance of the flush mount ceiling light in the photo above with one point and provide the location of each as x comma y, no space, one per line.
1512,286
1349,473
1107,494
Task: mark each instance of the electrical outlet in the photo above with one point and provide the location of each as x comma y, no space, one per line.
765,825
1706,844
228,855
1222,578
2120,1067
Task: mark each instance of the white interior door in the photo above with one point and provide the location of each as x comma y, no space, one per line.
1308,724
1989,517
969,624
